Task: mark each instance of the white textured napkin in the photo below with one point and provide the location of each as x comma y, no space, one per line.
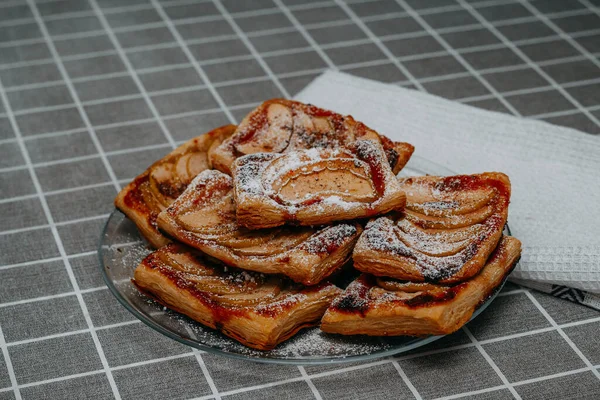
555,171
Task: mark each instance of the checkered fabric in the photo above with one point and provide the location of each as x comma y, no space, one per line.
93,91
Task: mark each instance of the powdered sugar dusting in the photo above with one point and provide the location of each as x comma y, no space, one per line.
272,179
459,229
382,235
208,181
330,239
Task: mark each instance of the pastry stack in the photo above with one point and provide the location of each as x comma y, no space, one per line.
257,225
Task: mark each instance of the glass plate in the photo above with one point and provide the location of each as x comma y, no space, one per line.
122,248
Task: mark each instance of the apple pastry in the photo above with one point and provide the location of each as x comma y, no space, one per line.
445,234
279,126
257,310
388,307
158,186
316,186
204,218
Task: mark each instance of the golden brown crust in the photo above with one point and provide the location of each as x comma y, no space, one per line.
446,233
280,125
257,310
154,189
389,309
204,217
316,186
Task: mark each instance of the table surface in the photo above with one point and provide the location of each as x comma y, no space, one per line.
93,91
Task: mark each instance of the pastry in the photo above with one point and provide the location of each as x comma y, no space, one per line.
279,125
257,310
387,307
446,232
157,187
204,218
316,186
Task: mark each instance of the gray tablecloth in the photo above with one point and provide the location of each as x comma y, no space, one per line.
93,91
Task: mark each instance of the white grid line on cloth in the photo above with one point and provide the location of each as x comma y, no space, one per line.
132,72
60,379
409,35
211,383
300,72
251,388
142,7
153,361
11,372
298,26
564,113
310,383
178,90
86,157
236,28
595,9
564,335
54,296
515,291
407,381
32,262
249,13
129,123
415,355
73,93
317,375
144,71
525,58
58,242
562,34
198,356
61,223
55,192
471,393
271,11
265,32
385,362
377,41
548,377
184,47
44,260
491,363
113,9
135,27
44,203
476,74
48,337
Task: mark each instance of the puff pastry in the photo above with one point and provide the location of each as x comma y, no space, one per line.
386,307
257,310
449,227
158,186
204,218
316,186
279,125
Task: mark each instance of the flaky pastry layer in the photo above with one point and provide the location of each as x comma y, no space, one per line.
204,217
159,185
386,307
445,234
257,310
316,186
